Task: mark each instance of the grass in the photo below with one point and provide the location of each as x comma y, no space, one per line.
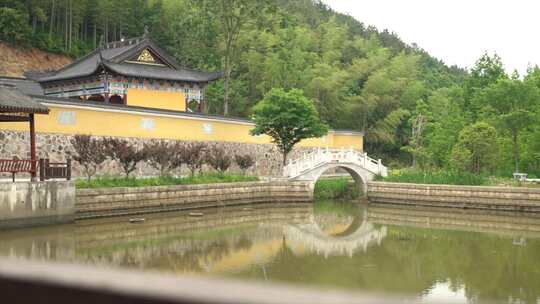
435,177
208,178
335,188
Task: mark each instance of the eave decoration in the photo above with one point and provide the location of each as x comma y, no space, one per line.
146,57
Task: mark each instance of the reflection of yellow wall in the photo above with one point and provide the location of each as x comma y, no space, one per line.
156,99
81,119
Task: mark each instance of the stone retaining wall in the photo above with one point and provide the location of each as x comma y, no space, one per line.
268,160
25,204
493,198
129,201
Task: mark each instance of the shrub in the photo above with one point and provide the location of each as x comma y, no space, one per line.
435,177
163,156
193,155
89,153
244,162
125,153
218,159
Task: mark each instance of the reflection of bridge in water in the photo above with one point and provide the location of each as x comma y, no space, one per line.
358,236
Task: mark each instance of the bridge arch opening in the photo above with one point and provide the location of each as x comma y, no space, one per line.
327,180
338,219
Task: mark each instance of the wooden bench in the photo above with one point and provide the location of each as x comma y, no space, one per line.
48,170
14,166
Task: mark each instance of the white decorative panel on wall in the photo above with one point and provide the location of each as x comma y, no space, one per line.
208,128
67,118
148,124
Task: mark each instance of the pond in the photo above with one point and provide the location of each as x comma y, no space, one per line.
458,256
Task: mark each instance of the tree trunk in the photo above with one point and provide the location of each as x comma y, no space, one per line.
66,29
516,151
285,158
52,20
70,23
95,35
34,24
226,85
228,71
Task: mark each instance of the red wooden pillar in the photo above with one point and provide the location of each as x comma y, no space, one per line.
33,145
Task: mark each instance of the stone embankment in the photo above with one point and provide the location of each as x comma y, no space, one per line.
474,197
25,204
105,202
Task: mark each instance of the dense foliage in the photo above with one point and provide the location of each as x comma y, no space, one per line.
413,109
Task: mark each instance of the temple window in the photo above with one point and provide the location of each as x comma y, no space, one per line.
96,97
116,99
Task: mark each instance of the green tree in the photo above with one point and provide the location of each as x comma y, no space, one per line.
447,120
476,149
288,118
232,16
513,102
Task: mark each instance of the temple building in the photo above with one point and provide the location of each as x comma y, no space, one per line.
134,72
134,90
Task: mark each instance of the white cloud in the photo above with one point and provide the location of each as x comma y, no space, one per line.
458,31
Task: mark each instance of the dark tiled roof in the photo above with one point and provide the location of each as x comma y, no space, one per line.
27,86
112,57
111,106
158,72
12,100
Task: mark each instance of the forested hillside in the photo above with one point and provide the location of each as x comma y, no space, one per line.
414,109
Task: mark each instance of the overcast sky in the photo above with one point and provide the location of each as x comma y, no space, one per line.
458,31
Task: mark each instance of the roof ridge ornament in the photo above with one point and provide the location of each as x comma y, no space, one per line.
146,32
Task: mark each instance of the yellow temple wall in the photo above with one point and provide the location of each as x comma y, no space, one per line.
344,140
156,99
80,119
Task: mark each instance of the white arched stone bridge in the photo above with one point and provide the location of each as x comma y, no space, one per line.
310,166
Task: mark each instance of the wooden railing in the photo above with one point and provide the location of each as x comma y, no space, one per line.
48,170
15,166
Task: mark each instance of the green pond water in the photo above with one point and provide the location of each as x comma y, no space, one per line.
457,256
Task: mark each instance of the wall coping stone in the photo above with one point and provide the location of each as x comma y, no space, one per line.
172,188
455,187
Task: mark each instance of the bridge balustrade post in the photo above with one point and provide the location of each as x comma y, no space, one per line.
365,158
379,166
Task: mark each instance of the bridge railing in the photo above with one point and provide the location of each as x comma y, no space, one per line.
319,157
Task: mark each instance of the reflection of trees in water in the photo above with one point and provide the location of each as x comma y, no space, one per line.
413,260
284,251
244,243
